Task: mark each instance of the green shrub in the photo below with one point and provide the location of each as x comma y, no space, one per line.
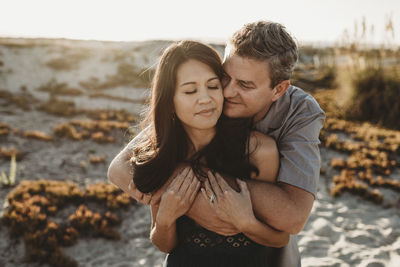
322,77
376,96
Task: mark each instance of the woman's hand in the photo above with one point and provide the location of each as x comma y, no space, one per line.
178,197
231,206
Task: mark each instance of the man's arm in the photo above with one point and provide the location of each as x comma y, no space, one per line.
283,201
282,206
286,204
120,169
120,174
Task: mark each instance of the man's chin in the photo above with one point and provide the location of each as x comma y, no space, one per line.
232,113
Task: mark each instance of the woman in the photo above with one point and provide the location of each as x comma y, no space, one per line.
185,130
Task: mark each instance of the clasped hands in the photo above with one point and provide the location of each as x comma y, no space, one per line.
218,208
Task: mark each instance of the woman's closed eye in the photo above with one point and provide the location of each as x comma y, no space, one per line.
213,87
190,92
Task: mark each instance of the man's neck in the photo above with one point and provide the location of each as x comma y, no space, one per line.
260,115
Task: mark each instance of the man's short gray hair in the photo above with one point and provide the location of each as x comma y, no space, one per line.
267,41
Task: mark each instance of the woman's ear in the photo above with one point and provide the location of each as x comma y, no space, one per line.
280,89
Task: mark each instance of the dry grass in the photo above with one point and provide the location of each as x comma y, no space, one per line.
117,98
23,100
62,108
126,75
55,88
97,159
69,60
18,43
313,78
58,107
97,130
10,152
369,76
38,135
316,68
371,152
376,96
32,203
117,115
4,129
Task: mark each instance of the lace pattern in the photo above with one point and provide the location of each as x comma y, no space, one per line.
198,238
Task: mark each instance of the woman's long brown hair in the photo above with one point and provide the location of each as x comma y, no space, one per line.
164,143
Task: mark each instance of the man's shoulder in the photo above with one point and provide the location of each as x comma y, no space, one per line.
302,101
291,107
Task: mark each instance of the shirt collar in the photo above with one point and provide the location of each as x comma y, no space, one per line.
274,118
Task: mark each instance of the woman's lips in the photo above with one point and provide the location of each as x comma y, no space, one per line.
206,112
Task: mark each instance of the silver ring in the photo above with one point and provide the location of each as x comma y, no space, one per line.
212,198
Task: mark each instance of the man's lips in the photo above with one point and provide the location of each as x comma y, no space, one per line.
231,102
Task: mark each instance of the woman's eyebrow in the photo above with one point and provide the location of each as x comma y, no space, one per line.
213,78
186,83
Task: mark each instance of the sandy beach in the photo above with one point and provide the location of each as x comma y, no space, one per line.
89,78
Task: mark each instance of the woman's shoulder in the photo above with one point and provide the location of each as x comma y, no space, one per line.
261,143
264,155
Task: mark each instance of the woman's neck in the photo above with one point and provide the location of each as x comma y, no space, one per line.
200,138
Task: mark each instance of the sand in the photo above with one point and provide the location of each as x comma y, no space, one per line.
343,231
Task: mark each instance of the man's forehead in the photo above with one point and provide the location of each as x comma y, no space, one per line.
244,63
246,69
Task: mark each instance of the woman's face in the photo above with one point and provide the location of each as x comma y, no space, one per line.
198,98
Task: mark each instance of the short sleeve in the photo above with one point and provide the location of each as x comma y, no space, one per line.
300,159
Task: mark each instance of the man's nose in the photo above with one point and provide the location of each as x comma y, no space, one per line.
230,90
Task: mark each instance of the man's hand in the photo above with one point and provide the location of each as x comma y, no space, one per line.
143,198
149,198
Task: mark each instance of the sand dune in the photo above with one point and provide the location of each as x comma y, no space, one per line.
343,231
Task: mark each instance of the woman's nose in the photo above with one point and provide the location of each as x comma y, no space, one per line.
204,97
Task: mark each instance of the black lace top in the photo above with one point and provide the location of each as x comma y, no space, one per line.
199,239
201,247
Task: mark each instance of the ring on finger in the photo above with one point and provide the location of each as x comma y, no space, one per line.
212,198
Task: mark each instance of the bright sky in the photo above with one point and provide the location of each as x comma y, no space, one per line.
131,20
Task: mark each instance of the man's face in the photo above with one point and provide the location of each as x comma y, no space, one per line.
247,87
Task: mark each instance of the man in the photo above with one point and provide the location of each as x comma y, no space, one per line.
259,60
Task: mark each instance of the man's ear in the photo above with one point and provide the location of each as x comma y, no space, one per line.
280,89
